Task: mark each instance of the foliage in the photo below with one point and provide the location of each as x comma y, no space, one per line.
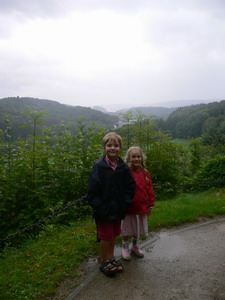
196,120
17,110
214,137
49,168
44,172
35,270
196,151
166,161
125,129
169,163
213,169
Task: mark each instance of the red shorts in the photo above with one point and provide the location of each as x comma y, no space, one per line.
108,230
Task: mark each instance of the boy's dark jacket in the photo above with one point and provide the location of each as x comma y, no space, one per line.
110,191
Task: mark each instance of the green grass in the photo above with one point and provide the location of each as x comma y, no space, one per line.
184,142
35,270
187,208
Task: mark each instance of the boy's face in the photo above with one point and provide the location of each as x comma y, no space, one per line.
112,149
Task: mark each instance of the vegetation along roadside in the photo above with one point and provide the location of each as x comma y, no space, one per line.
45,170
35,270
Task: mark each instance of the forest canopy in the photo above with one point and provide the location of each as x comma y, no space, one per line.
197,120
14,112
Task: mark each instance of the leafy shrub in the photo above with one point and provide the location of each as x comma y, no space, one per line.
213,170
43,173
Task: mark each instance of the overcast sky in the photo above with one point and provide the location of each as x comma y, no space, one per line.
112,52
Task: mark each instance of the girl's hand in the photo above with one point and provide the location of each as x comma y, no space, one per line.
149,211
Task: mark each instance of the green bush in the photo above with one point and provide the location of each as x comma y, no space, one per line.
213,170
44,173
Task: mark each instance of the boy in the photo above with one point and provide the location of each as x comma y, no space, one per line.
111,189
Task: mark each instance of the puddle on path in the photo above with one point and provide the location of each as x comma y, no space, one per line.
167,246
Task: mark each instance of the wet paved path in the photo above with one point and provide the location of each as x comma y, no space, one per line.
179,264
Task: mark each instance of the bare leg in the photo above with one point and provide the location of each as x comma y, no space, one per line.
107,254
107,249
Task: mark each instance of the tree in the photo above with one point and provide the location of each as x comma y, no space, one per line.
195,147
125,130
213,169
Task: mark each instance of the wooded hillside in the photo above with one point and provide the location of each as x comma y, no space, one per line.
196,120
13,109
184,122
157,112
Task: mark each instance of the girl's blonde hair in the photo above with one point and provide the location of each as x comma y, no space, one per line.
128,155
112,137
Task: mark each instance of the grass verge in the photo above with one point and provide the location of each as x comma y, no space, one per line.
187,208
34,270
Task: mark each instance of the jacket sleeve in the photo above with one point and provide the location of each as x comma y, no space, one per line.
94,191
130,187
150,190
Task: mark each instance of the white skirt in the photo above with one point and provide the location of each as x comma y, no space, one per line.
134,225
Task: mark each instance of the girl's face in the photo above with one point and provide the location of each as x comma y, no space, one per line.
135,159
112,149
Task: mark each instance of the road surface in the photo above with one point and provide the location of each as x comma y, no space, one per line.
184,263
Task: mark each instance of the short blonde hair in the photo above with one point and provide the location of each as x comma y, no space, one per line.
128,155
112,137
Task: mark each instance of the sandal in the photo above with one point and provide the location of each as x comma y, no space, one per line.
117,264
108,268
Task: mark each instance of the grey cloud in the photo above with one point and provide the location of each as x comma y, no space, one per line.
48,8
195,69
53,8
34,8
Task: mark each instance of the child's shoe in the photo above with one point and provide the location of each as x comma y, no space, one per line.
137,251
126,253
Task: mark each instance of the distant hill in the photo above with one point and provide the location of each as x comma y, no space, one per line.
158,112
13,108
195,120
185,102
183,122
100,108
159,104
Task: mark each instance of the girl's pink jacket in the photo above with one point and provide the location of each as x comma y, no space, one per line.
144,193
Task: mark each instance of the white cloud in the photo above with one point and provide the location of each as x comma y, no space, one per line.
93,52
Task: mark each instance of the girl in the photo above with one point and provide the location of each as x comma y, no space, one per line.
135,222
111,189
